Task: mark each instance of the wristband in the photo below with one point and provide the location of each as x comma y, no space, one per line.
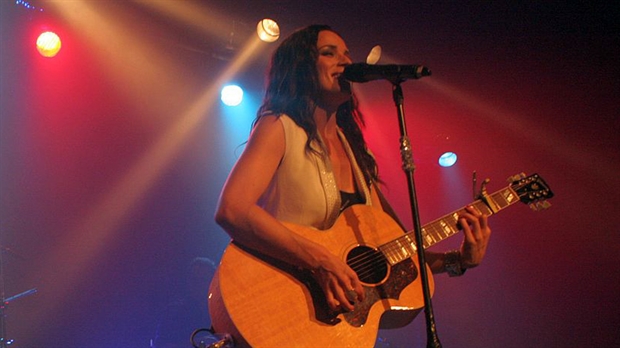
452,263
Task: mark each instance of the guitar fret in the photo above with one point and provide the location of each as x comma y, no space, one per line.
410,244
433,237
390,253
428,237
482,208
440,230
437,228
399,249
510,196
386,249
447,228
505,197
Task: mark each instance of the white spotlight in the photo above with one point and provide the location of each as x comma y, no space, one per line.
268,30
232,95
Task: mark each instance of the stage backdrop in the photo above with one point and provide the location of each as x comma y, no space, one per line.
113,153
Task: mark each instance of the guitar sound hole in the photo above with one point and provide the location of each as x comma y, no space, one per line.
369,264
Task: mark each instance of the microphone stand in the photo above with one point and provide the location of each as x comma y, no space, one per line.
409,167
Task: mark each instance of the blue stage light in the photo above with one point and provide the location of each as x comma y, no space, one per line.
448,159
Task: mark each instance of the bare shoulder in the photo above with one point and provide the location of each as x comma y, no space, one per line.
257,165
269,128
267,138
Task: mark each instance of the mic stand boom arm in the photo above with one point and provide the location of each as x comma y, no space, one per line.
409,168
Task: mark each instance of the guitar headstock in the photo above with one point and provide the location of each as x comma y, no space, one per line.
532,190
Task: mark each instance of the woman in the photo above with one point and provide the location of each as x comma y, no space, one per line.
306,160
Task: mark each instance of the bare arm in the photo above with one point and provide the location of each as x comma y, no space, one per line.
250,225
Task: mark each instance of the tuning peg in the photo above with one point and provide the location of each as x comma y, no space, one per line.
543,204
516,177
538,206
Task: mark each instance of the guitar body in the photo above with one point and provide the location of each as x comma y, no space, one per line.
262,302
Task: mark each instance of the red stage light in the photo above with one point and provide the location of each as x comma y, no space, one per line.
48,44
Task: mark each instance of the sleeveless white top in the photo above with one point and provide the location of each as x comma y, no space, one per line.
303,190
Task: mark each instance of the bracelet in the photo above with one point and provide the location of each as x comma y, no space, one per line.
452,263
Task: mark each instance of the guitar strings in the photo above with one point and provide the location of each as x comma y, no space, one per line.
369,264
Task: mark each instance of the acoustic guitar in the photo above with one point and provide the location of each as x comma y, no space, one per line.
263,302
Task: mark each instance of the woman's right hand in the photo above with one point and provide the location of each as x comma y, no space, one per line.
340,284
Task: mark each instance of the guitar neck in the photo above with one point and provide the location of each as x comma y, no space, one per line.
434,232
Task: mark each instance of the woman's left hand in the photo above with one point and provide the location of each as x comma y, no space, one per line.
476,232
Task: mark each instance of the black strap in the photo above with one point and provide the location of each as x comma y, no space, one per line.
388,208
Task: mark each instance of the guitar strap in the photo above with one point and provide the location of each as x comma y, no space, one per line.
357,172
387,207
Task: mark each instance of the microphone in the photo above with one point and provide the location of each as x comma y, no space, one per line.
362,72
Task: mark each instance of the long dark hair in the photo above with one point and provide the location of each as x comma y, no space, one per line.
293,88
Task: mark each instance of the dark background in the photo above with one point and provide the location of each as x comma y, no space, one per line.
113,154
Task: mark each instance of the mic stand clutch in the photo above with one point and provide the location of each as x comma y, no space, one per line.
409,167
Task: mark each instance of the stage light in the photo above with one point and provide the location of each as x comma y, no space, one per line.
448,159
374,55
27,5
232,95
48,44
268,30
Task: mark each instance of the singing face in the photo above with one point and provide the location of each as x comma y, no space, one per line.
333,57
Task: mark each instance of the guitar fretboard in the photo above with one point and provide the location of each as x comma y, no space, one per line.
434,232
